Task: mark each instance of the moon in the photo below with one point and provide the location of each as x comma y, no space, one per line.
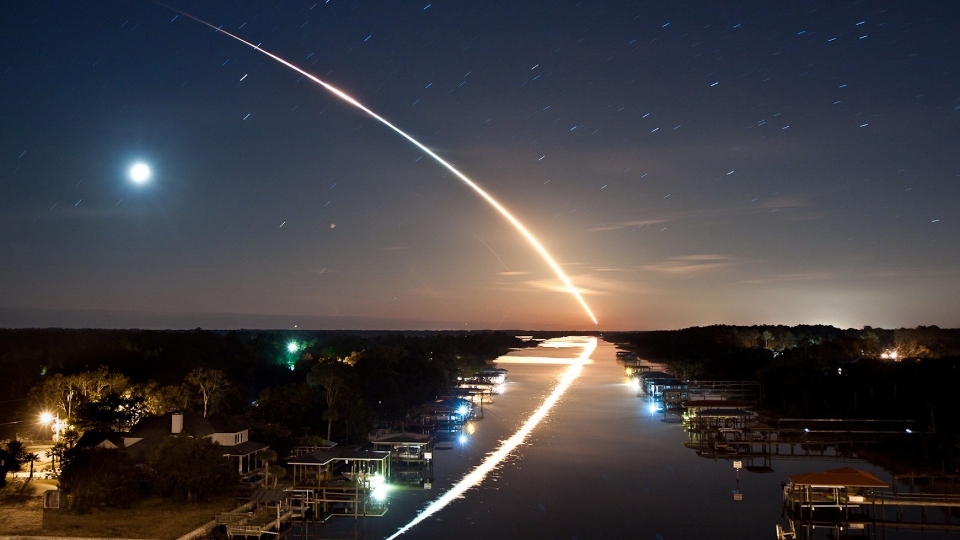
139,173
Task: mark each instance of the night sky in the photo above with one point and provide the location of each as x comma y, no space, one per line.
686,163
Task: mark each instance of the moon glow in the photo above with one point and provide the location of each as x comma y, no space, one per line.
139,173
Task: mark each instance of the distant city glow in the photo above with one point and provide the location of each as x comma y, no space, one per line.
493,459
139,173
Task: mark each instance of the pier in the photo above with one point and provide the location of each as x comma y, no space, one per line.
268,512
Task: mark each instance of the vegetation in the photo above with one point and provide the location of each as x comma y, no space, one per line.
97,477
13,455
187,469
825,372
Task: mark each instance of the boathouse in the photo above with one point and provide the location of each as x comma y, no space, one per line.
339,481
833,488
411,456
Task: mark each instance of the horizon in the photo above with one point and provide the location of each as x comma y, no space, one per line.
119,320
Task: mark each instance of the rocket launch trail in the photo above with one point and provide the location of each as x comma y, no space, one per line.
532,240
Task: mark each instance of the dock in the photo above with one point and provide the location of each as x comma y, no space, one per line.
852,499
268,512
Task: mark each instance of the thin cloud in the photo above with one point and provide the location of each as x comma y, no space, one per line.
691,263
708,214
793,277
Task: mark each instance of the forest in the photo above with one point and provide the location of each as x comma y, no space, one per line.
281,381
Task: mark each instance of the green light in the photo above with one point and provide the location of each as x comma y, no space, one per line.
293,346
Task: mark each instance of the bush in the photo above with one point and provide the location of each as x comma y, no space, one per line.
188,469
99,477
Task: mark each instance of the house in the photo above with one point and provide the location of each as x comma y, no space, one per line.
149,432
225,430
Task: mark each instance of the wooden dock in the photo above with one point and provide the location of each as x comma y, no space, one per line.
268,512
266,520
850,498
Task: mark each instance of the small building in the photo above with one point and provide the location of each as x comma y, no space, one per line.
834,488
411,456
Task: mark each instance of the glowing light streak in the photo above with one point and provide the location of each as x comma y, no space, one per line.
480,472
537,360
493,202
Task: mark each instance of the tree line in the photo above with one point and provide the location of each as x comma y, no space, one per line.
826,372
291,387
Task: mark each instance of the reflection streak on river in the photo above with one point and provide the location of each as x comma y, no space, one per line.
477,475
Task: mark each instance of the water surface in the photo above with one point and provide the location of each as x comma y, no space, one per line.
599,466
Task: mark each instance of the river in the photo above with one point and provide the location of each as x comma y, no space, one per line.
599,466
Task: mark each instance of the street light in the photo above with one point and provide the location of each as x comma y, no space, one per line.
53,420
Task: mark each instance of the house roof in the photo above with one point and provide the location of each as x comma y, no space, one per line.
244,449
152,430
101,439
844,477
193,425
403,438
323,457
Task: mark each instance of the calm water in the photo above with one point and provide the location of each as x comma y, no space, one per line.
599,466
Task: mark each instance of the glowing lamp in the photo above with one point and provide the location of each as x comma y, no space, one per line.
379,492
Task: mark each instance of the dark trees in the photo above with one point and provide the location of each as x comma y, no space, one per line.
298,406
188,469
339,383
99,477
12,457
209,384
113,412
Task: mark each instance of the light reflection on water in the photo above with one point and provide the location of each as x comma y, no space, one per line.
493,460
601,465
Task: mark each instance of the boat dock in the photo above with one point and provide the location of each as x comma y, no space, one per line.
269,512
852,499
